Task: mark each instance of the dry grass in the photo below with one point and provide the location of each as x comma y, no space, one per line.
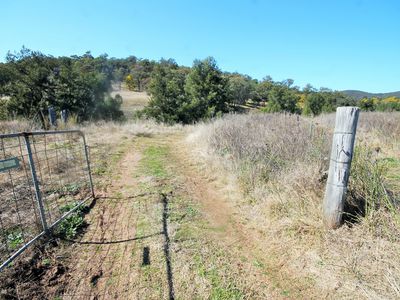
17,126
113,132
281,163
132,101
377,129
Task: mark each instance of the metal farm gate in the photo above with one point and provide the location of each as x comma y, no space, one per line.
44,177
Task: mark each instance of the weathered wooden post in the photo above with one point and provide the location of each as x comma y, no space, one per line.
339,165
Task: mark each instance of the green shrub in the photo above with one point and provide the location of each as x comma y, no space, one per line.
14,238
70,226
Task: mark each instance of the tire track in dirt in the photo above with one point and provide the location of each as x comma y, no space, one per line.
105,270
225,214
228,229
217,207
101,266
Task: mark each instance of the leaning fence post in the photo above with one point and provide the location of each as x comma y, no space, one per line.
88,165
36,184
339,165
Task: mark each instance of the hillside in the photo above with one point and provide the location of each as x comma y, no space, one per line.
361,94
132,101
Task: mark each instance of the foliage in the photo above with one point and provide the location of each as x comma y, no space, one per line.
110,108
32,82
324,101
139,75
391,103
167,93
70,226
206,91
282,98
181,96
262,89
388,104
130,82
367,104
313,104
14,238
240,88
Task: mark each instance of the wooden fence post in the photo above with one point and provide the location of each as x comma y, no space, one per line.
339,165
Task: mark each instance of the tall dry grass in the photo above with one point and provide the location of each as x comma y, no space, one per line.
17,126
281,162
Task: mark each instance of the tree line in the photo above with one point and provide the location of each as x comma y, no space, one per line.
185,95
31,81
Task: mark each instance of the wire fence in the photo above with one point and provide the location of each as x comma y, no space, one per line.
44,177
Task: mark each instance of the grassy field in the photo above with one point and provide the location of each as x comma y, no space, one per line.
132,101
280,163
229,209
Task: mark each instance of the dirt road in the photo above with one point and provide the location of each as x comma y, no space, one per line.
163,230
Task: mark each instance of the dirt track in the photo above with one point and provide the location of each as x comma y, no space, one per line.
164,231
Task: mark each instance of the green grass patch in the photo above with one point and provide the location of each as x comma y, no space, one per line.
142,227
393,172
220,289
153,161
14,238
185,232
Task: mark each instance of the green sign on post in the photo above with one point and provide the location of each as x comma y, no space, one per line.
8,164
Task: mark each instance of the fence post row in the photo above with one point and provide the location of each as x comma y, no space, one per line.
38,194
339,165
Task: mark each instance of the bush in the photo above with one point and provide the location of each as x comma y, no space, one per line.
110,109
70,226
178,96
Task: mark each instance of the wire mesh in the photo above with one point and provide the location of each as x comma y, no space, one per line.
62,177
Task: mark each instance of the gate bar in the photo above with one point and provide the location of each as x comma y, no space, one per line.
36,185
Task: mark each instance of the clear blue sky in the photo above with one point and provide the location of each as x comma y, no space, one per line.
340,44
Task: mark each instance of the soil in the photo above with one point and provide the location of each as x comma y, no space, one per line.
120,257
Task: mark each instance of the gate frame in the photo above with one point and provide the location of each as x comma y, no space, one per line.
46,228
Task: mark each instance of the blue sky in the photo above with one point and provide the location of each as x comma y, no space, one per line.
340,44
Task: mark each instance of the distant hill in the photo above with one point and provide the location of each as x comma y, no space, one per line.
360,94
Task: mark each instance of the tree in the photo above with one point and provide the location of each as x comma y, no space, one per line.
334,99
282,98
32,81
309,89
206,91
26,81
263,89
167,94
287,82
130,82
110,108
141,73
313,104
367,104
240,89
70,89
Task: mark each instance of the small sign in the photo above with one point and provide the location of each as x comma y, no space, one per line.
8,164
